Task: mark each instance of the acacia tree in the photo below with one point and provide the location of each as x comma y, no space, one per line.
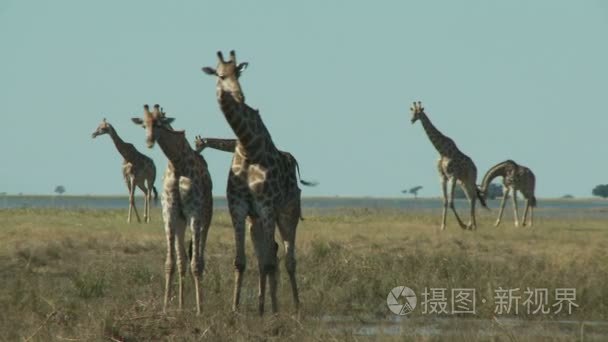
413,191
600,190
59,189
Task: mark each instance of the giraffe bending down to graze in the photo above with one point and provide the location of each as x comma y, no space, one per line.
137,170
260,187
454,166
514,177
186,200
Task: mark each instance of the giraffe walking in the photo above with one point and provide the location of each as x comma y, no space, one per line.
137,170
453,166
260,188
186,200
514,177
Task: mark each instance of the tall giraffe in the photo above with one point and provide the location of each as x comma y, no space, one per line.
137,170
514,177
259,188
453,166
186,200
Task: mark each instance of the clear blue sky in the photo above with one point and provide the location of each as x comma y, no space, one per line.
334,80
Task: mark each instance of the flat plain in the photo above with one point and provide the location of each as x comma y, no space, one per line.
84,274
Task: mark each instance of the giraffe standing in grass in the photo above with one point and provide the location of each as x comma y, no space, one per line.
514,177
454,166
186,200
137,170
260,187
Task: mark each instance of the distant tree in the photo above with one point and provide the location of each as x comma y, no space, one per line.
413,191
494,190
600,190
567,196
59,189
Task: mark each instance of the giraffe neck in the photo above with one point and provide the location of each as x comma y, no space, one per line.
498,170
125,149
226,145
246,124
444,145
174,146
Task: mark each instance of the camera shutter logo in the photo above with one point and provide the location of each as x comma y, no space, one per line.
404,306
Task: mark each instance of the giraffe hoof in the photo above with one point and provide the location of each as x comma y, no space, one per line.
442,227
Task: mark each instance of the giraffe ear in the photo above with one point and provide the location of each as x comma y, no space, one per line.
209,71
137,121
242,67
168,120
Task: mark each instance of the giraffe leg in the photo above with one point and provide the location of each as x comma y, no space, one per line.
471,193
502,205
445,201
197,263
531,211
238,213
270,253
145,190
169,261
149,201
451,202
262,233
132,201
288,222
515,213
525,217
148,194
257,237
180,233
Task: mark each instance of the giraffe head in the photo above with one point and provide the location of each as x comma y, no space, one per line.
199,144
152,122
228,73
103,128
417,110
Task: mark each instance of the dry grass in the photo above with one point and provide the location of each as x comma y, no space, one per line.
87,275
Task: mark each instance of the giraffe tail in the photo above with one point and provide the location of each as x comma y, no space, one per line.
303,182
482,200
532,201
155,195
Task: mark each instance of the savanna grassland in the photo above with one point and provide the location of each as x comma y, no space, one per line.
77,275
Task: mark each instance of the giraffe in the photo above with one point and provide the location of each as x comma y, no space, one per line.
453,166
137,170
186,200
514,177
260,188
